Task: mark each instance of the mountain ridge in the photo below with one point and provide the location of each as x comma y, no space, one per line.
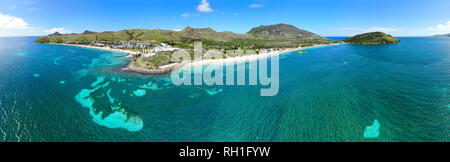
270,32
278,31
442,35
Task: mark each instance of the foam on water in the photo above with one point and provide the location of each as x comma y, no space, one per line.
56,60
119,80
213,91
139,92
151,86
21,53
7,61
111,99
99,80
82,73
36,75
115,108
373,130
195,95
105,85
166,79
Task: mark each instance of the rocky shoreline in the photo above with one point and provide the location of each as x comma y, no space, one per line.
160,71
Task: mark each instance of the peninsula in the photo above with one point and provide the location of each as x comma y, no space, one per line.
151,50
442,35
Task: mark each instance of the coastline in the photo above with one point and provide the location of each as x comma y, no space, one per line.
251,57
100,48
166,69
162,70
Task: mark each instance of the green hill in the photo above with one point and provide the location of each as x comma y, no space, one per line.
273,36
372,38
282,31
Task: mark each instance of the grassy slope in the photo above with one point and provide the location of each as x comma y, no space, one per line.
280,35
281,31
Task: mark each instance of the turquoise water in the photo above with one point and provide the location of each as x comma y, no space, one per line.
337,93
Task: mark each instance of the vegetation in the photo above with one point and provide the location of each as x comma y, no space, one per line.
274,36
153,62
281,31
372,38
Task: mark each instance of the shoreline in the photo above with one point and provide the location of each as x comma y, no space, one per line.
100,48
166,69
254,57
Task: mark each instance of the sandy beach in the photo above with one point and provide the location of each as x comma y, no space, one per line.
100,48
249,57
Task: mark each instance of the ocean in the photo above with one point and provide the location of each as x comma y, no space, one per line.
369,93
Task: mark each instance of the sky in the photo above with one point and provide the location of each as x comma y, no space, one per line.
324,17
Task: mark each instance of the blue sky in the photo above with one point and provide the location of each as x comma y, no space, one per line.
324,17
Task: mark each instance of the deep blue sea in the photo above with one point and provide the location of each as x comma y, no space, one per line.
397,92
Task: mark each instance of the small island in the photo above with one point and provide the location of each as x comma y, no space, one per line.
372,38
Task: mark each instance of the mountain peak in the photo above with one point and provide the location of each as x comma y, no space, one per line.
55,34
88,32
187,28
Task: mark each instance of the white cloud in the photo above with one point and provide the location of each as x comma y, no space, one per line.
15,26
34,9
204,7
185,15
29,2
11,22
256,5
177,29
369,29
59,30
441,27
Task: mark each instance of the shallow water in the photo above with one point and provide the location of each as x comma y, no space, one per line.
337,93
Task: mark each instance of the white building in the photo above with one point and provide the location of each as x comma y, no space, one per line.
149,54
164,48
